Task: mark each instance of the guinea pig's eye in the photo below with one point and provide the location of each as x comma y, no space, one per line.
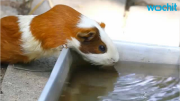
91,34
102,48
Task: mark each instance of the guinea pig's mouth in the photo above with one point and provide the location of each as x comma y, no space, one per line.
101,65
109,68
95,60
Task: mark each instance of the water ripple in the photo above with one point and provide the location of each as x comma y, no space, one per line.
133,87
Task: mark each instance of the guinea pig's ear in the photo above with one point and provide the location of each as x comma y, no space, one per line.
86,36
102,24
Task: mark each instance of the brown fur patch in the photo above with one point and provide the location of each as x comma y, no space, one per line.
55,26
10,41
91,46
58,24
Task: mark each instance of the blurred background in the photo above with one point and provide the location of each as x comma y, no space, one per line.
126,20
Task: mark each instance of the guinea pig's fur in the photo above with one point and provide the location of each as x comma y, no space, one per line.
25,38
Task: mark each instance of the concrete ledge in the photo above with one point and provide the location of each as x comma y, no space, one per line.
20,85
142,53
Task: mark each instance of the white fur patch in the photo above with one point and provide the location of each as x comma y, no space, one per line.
31,46
73,43
107,58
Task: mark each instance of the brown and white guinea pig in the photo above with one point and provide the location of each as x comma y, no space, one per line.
25,38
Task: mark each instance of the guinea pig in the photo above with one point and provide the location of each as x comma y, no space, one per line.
28,37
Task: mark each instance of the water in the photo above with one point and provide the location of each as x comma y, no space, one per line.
133,87
99,85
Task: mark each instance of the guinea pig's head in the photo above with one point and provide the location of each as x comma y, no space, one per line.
92,42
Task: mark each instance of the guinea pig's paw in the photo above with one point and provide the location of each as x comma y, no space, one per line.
65,46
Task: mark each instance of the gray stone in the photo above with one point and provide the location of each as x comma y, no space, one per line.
20,85
7,10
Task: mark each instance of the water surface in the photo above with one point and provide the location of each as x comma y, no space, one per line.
99,85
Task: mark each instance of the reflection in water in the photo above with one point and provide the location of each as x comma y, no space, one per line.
98,85
87,84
